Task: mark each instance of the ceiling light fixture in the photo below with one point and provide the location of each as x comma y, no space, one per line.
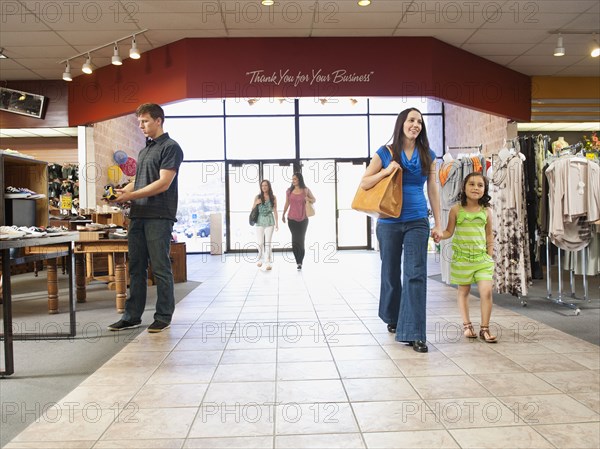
364,2
268,2
559,50
2,55
594,47
67,73
87,67
134,53
116,59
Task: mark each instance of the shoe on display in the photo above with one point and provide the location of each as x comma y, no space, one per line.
109,193
10,232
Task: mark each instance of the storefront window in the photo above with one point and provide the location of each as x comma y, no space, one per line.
332,105
338,136
394,105
195,107
260,138
201,193
201,139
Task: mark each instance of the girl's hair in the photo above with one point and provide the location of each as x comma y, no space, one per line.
485,199
422,141
300,181
270,192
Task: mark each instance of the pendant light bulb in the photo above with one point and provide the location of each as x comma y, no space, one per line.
134,53
67,73
116,59
87,67
560,49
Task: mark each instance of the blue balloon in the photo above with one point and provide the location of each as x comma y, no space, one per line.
120,157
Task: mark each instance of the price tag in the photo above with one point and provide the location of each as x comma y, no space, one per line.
66,201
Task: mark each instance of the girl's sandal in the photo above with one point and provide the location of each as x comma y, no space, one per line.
484,334
469,332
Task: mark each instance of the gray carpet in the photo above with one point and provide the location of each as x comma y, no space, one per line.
586,325
46,370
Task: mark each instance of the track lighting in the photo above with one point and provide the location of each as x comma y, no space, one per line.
594,47
134,53
116,59
67,73
87,67
560,49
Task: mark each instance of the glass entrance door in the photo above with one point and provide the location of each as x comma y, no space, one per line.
353,228
243,184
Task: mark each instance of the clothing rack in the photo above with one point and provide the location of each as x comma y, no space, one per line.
570,151
559,298
472,147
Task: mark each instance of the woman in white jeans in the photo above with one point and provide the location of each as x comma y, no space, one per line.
267,220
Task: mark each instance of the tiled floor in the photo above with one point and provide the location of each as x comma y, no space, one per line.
287,359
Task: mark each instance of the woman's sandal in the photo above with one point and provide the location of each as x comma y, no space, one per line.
484,334
469,331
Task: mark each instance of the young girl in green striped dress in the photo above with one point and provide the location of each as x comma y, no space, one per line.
470,222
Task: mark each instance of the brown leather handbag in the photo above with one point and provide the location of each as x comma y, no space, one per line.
384,199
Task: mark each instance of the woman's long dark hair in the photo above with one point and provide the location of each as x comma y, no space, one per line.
485,198
422,141
300,181
270,192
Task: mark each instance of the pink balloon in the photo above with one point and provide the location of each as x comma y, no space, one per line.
129,167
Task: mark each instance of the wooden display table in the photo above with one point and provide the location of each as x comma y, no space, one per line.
117,250
51,252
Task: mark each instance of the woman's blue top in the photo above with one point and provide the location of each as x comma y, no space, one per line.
414,204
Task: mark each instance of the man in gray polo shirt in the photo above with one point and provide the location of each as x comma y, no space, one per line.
153,198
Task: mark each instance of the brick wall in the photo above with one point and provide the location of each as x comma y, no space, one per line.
121,133
466,127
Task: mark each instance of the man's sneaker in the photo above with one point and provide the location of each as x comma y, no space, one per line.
158,326
122,325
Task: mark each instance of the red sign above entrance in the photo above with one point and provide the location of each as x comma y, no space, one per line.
301,67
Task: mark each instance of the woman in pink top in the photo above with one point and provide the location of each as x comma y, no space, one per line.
295,200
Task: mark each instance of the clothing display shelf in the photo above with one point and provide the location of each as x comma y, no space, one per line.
18,171
561,297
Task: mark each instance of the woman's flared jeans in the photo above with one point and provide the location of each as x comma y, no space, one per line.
402,299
